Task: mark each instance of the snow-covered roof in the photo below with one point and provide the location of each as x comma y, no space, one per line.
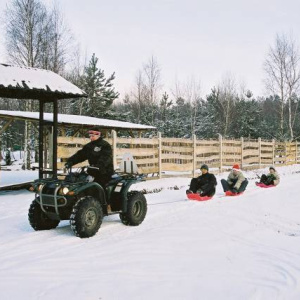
76,120
32,83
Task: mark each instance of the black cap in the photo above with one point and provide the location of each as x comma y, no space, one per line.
272,168
204,167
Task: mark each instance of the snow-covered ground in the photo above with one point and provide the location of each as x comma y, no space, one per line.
245,247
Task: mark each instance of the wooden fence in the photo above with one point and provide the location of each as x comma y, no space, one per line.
165,156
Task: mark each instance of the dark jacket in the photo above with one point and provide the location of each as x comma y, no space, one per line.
206,183
99,154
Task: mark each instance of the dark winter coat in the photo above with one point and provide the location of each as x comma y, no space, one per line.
271,178
99,154
206,183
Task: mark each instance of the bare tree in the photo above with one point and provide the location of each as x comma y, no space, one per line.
190,91
34,38
283,75
227,95
74,74
152,80
292,78
25,24
145,92
274,67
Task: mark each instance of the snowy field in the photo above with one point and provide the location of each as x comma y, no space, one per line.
245,247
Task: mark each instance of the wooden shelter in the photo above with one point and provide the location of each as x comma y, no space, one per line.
44,86
48,87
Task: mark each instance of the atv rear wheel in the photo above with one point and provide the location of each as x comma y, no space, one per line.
136,209
86,217
38,219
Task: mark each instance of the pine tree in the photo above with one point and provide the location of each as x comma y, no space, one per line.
101,92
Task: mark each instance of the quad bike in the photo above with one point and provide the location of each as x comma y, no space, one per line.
85,202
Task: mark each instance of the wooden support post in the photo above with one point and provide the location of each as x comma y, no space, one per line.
194,155
159,155
242,152
273,149
50,143
296,152
285,153
221,152
46,147
259,153
1,131
114,147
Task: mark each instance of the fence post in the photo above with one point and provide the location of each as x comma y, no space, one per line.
242,152
296,151
194,155
114,147
2,131
50,143
259,153
159,155
273,149
221,152
285,153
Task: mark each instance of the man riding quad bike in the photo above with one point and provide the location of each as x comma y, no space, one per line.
85,203
86,196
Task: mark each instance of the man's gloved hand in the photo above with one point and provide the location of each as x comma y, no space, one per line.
68,165
93,171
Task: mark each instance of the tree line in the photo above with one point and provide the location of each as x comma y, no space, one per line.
37,36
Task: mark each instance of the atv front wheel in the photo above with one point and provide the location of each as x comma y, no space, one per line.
86,217
38,219
136,209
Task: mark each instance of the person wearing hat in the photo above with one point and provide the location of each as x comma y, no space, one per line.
270,179
205,184
236,181
98,152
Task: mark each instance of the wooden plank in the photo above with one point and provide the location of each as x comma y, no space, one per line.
212,149
229,143
176,157
137,152
148,170
204,143
137,141
251,153
66,152
251,160
232,149
147,161
72,140
209,157
177,168
176,149
177,141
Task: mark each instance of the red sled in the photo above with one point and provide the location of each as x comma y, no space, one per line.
197,197
230,193
262,185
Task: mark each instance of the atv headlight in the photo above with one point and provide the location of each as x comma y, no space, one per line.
65,190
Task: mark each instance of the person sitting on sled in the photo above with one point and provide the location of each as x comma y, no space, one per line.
236,181
270,179
205,184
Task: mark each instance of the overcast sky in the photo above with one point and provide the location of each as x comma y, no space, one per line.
200,39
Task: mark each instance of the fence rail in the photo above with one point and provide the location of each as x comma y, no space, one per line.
158,155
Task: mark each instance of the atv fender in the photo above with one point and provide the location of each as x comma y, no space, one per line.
93,188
